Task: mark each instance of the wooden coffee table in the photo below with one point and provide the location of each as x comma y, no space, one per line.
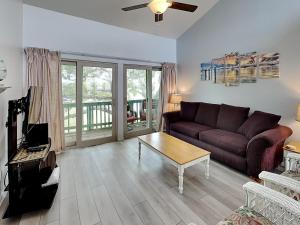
179,153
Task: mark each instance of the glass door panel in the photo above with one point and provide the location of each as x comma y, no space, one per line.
97,102
156,76
88,100
68,73
137,118
141,88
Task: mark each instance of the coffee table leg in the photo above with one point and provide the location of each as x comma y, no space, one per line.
207,168
180,178
139,150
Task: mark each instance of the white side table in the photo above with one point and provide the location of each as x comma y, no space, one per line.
291,155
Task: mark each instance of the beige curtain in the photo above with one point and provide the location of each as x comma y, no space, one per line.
36,97
167,87
43,70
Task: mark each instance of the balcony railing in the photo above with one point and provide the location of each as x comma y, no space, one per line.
98,115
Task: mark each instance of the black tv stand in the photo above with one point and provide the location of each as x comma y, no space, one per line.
33,181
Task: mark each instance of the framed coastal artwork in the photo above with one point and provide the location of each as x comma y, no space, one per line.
248,67
268,65
232,77
218,67
206,71
234,68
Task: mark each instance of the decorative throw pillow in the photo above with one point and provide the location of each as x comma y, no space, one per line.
207,114
258,122
245,215
230,117
188,110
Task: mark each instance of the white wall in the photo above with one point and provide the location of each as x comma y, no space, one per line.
11,52
243,25
57,31
48,29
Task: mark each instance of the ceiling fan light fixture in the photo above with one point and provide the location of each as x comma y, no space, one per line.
159,6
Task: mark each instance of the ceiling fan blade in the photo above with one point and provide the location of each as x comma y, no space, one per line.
183,6
159,17
135,7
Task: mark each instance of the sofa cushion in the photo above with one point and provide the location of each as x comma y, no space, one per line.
231,117
188,110
190,129
207,114
218,154
258,122
229,141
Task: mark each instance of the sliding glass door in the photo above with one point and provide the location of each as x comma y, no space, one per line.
89,102
141,92
69,80
155,90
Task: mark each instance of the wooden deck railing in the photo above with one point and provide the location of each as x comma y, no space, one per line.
97,115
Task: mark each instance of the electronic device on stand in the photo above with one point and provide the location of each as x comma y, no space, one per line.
33,174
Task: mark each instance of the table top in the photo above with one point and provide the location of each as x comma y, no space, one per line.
293,143
175,149
26,156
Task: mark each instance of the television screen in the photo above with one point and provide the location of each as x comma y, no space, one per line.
37,134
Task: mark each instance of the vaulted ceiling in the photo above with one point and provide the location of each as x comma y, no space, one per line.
174,24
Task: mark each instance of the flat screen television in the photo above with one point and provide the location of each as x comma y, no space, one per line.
37,135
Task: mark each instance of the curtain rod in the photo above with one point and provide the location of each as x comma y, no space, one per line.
109,57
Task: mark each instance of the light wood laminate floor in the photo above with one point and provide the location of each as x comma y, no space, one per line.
107,185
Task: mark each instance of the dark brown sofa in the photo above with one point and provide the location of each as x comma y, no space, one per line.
249,144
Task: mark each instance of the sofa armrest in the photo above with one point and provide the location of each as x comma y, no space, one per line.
274,136
264,151
171,117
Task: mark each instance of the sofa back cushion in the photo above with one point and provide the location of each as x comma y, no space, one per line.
258,122
207,114
231,117
188,110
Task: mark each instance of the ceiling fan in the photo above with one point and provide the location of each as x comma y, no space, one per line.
159,7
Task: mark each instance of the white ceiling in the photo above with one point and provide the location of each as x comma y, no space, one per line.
174,24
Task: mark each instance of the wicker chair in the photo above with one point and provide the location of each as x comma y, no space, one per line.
265,206
288,182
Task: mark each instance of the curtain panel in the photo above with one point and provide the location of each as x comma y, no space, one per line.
43,70
168,86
